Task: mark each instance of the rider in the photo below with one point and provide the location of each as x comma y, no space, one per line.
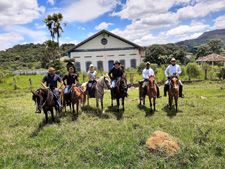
146,72
116,72
51,83
173,69
92,75
71,79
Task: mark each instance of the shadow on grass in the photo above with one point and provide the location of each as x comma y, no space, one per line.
42,124
171,113
92,112
148,111
114,110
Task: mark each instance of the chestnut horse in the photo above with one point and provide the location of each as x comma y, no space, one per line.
76,96
44,99
173,90
82,99
151,91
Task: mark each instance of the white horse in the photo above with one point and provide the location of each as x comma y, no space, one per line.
99,90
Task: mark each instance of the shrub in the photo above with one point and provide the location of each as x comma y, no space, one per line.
140,67
194,69
60,67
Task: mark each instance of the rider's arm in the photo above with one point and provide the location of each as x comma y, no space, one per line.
64,78
166,71
110,72
143,74
61,83
43,82
77,79
179,70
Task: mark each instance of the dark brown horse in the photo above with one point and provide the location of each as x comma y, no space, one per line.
173,91
142,93
76,97
121,91
151,91
44,99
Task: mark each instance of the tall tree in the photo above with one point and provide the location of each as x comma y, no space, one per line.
215,45
203,50
49,23
57,18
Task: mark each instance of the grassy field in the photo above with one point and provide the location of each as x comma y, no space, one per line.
113,140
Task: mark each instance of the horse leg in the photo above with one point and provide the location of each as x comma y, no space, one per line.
102,104
123,103
97,104
88,100
77,107
170,101
154,103
144,100
53,118
176,100
46,116
118,104
73,108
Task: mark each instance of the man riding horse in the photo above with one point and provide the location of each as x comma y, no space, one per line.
173,70
116,72
71,79
146,73
51,83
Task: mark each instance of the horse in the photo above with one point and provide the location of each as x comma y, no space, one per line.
151,91
99,90
173,91
44,99
141,93
121,91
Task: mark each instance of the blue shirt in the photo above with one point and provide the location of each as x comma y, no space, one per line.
51,81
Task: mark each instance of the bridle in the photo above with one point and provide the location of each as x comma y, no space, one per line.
152,87
174,87
102,86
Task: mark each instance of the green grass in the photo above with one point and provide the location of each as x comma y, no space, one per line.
113,140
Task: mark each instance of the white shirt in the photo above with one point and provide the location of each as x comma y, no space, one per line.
147,72
173,69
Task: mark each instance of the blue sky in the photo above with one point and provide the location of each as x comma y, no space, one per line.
144,22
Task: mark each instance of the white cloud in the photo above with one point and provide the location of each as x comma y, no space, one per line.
52,2
150,39
7,40
85,10
67,37
19,12
81,28
35,36
40,26
184,30
219,22
192,36
103,25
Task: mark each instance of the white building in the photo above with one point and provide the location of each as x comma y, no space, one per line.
102,49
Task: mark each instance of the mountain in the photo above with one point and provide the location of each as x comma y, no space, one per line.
204,38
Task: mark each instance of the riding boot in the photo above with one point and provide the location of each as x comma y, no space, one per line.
142,93
113,91
158,94
181,92
165,90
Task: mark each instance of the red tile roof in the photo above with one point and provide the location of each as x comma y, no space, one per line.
211,57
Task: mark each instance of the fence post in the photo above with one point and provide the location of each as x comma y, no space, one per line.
83,78
205,74
30,83
189,74
222,73
14,80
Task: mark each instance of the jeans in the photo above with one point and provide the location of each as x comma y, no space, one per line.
114,83
57,95
66,91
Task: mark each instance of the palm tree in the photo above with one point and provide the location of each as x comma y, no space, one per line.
48,21
51,49
57,18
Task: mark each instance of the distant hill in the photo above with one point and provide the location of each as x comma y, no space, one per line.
204,38
28,53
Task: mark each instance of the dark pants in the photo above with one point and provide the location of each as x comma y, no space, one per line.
166,88
144,88
91,87
56,97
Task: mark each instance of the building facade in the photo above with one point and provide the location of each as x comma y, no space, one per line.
102,49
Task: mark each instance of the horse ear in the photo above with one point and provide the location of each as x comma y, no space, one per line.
32,91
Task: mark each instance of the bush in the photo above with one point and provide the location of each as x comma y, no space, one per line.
221,73
60,67
141,67
194,69
4,73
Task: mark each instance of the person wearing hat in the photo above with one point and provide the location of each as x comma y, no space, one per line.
92,76
172,70
51,80
116,72
71,79
146,73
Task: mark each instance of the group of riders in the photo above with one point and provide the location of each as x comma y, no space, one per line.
115,73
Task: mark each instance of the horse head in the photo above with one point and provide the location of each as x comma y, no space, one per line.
174,82
151,81
107,81
38,99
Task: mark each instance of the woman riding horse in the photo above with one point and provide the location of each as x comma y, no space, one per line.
92,75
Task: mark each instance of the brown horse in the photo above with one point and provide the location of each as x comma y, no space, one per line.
151,91
173,91
44,99
76,97
121,91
